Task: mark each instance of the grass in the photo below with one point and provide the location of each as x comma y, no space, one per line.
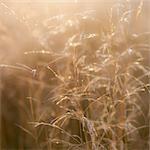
87,86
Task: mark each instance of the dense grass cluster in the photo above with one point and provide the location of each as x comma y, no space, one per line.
88,86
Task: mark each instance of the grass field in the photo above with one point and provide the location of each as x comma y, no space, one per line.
74,75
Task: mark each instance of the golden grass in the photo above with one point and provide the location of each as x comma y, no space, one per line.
81,85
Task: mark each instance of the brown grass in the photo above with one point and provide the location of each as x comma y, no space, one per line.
87,85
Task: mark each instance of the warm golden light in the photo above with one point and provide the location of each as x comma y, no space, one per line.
74,74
